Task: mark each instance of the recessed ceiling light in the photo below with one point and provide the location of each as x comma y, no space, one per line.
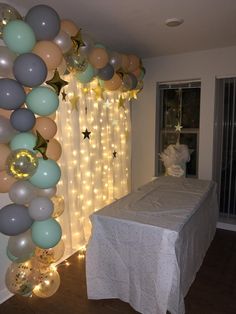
173,22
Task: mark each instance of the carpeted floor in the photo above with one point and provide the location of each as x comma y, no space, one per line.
213,291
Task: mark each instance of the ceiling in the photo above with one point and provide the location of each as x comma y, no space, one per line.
138,26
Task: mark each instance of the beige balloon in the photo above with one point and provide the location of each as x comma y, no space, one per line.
124,62
98,57
137,72
61,69
114,83
69,27
46,127
54,149
6,181
5,152
49,52
134,63
5,113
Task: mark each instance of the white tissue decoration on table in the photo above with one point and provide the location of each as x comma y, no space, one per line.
175,158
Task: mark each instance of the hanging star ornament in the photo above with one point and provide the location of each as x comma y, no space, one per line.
98,92
114,154
77,41
86,134
178,127
133,94
41,145
64,94
56,82
74,102
121,103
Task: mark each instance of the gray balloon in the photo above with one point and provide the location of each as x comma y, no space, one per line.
45,22
21,245
7,58
6,130
64,41
12,94
50,192
29,69
22,192
115,60
106,73
14,219
41,208
22,119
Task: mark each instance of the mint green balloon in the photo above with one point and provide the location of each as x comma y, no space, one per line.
21,259
19,36
47,174
23,140
46,234
42,101
87,75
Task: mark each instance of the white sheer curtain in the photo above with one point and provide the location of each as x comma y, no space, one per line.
95,170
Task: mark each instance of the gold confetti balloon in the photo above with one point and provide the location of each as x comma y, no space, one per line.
7,14
45,257
21,278
22,164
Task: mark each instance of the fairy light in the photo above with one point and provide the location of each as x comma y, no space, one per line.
93,178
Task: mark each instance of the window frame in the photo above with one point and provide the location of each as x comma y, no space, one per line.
159,116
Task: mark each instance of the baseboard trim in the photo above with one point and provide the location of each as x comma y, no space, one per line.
4,295
226,226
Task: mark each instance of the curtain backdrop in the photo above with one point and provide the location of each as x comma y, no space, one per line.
95,169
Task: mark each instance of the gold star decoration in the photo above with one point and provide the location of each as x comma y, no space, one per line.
77,41
133,94
57,82
64,94
86,134
74,102
114,154
98,92
121,103
41,145
178,127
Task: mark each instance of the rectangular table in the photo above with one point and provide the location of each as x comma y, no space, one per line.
146,248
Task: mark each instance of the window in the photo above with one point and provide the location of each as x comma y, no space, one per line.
178,104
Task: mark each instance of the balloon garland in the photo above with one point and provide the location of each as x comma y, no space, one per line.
39,49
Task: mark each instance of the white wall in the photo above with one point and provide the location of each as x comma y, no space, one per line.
4,261
4,200
203,65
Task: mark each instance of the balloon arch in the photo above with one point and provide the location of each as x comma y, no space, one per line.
38,51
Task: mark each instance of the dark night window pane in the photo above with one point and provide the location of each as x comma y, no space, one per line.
190,107
179,103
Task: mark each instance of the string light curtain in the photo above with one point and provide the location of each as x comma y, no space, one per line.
94,130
